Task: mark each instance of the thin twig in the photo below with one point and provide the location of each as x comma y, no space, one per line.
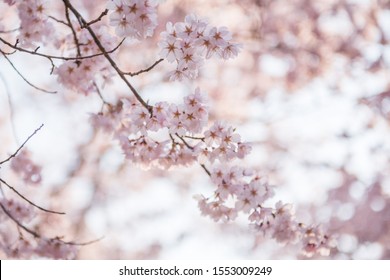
29,201
59,21
8,53
76,40
98,19
82,243
9,31
66,58
28,82
194,138
184,141
21,146
144,70
100,94
206,169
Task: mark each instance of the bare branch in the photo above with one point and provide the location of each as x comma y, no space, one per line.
8,53
206,169
194,138
28,82
83,243
104,13
100,94
144,70
29,201
21,146
9,31
59,21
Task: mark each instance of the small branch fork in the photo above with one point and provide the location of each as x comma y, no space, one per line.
104,13
191,148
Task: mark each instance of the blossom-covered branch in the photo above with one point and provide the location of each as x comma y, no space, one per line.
286,50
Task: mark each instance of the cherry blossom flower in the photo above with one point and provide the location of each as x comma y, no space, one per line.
134,18
170,49
189,141
79,75
190,42
315,240
34,24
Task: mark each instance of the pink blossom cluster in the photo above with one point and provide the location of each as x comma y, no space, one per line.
280,223
171,134
34,24
79,75
24,213
316,241
134,18
222,142
26,168
152,138
238,190
42,247
190,42
241,190
55,249
21,249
